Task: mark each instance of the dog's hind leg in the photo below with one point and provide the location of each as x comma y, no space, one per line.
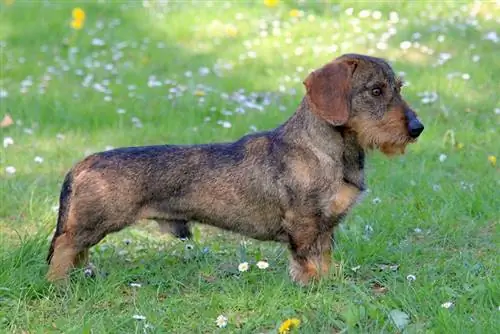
63,257
82,231
178,228
71,250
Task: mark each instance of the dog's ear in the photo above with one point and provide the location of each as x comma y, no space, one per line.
328,90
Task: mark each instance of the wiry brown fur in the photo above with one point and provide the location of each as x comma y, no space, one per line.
292,184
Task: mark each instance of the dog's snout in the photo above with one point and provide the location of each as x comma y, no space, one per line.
415,128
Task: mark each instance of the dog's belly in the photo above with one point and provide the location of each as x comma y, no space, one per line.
261,222
264,229
258,221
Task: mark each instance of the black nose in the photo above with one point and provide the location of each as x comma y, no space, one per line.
415,128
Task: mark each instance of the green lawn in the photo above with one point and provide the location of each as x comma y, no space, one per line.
214,71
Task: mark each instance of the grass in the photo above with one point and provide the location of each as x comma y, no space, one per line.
432,213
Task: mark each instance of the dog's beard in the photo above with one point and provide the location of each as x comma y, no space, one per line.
393,149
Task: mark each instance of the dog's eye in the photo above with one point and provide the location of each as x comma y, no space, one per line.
376,91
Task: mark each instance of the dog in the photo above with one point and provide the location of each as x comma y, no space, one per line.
293,184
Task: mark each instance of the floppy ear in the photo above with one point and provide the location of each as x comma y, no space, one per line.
328,90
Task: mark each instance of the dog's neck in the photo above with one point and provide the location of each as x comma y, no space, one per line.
306,129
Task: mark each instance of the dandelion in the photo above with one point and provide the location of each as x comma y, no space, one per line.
77,24
78,18
442,157
262,265
78,14
271,3
221,321
295,13
231,31
493,160
242,267
288,325
199,93
38,160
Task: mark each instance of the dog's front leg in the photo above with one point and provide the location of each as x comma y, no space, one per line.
311,251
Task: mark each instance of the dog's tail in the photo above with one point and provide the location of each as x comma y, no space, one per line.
64,201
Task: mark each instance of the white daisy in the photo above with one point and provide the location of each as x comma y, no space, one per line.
221,321
447,305
262,265
242,267
10,169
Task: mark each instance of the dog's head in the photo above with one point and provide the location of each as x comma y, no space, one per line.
363,94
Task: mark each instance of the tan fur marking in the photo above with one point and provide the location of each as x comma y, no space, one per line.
63,260
301,172
303,273
344,198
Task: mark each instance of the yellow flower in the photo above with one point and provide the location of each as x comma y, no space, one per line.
199,93
460,146
271,3
288,325
77,24
78,14
295,13
231,30
493,160
8,2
